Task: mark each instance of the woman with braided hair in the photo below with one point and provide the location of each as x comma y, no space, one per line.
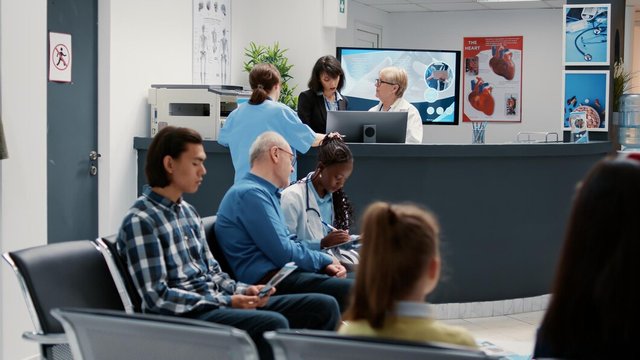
316,208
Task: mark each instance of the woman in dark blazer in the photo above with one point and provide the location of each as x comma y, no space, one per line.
327,79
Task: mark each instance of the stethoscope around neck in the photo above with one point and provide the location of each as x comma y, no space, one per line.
309,208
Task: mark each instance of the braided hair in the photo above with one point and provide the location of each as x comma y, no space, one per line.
333,150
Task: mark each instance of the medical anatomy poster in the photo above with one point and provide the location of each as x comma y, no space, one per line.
492,89
586,34
587,92
211,42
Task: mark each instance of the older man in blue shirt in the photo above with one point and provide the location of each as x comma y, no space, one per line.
253,233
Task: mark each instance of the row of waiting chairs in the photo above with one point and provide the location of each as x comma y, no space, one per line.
84,306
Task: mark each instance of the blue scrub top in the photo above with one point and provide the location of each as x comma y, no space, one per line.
248,121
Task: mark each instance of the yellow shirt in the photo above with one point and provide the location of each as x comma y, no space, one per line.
410,323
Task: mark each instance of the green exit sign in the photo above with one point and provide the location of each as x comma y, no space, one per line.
342,6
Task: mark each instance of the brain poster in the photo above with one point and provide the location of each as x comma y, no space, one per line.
492,77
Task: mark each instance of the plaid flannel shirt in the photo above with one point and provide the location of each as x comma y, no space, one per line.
164,246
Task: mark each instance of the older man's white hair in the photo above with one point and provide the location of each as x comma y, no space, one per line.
264,142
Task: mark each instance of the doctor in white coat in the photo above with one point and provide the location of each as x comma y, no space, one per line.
316,208
390,86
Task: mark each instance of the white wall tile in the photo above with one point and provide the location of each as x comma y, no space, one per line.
498,308
518,305
473,310
453,311
536,303
508,307
463,310
486,308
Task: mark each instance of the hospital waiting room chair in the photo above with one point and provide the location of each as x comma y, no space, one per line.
209,224
320,345
120,273
67,274
107,335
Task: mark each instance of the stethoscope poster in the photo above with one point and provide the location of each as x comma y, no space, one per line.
586,34
492,89
586,92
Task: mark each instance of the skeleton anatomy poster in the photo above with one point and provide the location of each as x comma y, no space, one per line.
211,42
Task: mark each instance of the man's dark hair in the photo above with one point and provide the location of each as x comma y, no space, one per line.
170,141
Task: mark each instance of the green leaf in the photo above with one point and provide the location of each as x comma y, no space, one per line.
256,54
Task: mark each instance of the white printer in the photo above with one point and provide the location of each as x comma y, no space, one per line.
200,107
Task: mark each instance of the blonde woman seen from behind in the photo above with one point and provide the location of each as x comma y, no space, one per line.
399,266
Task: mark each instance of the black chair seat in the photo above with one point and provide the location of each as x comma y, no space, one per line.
209,223
67,274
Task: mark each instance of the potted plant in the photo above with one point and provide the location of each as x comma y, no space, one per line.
621,82
274,55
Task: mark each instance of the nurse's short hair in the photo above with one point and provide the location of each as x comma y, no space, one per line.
264,142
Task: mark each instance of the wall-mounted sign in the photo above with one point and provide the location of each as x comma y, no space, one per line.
60,56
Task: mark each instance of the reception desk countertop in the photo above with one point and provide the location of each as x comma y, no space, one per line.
502,207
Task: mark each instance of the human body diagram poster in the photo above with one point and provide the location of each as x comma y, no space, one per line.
492,89
211,42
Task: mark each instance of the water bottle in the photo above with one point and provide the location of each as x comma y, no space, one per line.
629,122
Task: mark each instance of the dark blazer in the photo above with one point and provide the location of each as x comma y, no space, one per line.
313,112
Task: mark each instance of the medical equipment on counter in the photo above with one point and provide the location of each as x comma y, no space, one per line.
203,108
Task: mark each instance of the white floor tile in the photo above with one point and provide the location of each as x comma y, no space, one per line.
514,333
532,318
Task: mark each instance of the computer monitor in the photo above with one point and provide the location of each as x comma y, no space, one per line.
369,126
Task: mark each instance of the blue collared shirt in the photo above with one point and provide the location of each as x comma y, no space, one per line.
325,206
330,105
253,233
164,246
248,121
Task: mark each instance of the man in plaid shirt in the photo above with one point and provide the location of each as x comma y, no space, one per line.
163,243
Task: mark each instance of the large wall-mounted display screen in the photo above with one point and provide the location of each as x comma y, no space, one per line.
434,80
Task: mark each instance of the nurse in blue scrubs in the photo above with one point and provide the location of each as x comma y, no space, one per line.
263,113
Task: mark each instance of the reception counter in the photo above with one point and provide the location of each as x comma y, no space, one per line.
502,207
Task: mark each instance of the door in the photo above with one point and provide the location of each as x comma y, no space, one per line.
368,35
72,121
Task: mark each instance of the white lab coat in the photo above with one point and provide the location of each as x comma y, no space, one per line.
414,121
306,225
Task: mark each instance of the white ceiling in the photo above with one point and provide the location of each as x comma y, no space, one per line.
393,6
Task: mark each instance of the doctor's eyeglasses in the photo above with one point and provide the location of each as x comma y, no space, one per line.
293,157
380,81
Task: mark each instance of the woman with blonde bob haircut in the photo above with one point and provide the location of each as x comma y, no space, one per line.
399,266
390,87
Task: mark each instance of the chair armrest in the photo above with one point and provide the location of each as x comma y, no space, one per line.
48,339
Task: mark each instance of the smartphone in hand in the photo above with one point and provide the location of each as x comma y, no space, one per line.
287,269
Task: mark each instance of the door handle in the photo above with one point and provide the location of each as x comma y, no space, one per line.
93,155
93,158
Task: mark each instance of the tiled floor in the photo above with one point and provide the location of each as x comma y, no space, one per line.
513,333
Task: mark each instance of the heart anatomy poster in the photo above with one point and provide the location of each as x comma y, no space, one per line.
492,89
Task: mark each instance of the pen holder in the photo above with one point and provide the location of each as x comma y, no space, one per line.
478,131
